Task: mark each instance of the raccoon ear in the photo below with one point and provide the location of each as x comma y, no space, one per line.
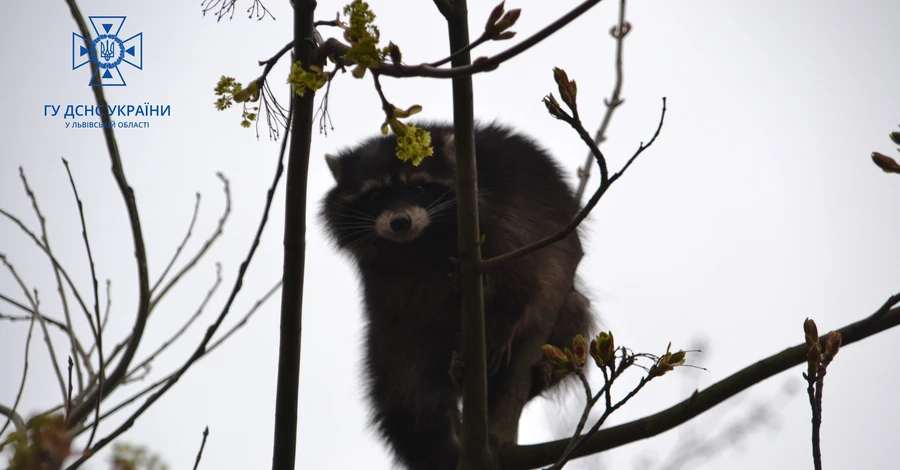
449,147
334,164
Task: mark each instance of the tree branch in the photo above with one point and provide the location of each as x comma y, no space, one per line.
146,362
337,49
618,32
288,383
140,252
531,456
202,445
212,347
476,451
605,183
74,344
187,236
210,331
35,307
98,338
206,245
11,414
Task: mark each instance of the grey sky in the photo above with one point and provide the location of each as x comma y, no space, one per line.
757,207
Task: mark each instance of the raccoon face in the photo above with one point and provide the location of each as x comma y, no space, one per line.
382,200
399,212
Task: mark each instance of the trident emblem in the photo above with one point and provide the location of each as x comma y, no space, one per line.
106,50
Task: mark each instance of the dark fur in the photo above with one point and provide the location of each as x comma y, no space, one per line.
411,296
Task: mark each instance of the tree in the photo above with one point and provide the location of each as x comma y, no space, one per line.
297,183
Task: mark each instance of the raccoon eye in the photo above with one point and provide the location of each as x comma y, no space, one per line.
419,190
375,195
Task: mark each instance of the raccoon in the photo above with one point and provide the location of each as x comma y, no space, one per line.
398,224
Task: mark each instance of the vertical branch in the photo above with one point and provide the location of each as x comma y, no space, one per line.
618,32
475,447
140,253
286,394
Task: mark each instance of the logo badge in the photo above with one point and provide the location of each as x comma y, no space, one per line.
108,51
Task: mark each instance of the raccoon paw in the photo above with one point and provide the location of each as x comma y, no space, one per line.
542,377
457,370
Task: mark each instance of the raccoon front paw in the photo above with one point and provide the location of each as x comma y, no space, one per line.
457,370
542,377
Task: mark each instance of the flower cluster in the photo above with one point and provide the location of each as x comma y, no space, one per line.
231,91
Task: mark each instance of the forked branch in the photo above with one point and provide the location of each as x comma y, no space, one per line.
605,182
531,456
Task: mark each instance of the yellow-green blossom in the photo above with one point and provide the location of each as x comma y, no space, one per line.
415,145
301,80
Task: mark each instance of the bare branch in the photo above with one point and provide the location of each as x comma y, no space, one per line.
294,254
74,344
202,445
35,306
605,183
474,436
48,320
11,415
206,245
183,328
530,456
140,252
98,338
55,262
211,330
184,241
618,32
226,8
212,347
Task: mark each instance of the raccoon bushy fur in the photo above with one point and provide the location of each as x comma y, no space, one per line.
398,224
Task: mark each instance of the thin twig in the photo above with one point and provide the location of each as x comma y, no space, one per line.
12,415
21,306
140,252
50,349
35,302
815,403
206,245
184,241
48,320
74,344
335,48
98,338
53,260
183,328
69,395
202,445
202,347
212,347
618,32
485,37
605,183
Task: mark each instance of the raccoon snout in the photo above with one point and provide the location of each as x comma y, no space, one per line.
400,222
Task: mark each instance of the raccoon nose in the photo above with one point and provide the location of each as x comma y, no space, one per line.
400,223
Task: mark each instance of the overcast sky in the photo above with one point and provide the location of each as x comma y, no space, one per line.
757,207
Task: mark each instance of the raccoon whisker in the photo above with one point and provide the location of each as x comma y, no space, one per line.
361,238
365,238
354,212
354,223
439,198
